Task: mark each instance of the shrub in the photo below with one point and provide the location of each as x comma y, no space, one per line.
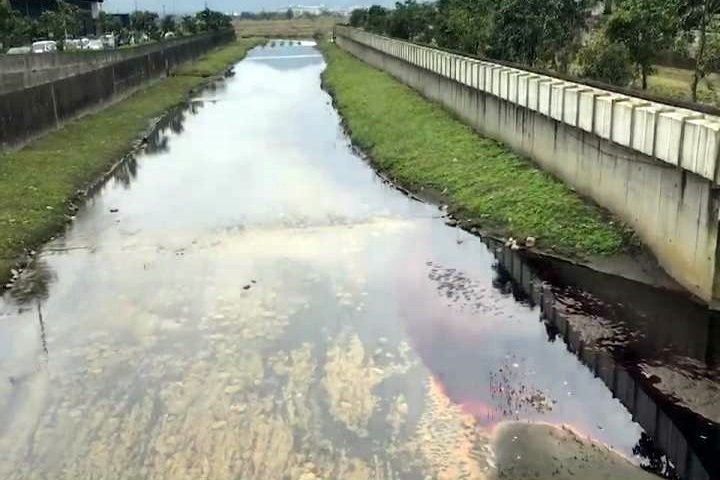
606,61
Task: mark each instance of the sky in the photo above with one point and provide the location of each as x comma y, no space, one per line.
188,6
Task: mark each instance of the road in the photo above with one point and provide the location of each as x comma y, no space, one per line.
246,298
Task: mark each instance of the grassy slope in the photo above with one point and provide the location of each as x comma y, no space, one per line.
675,83
38,181
421,145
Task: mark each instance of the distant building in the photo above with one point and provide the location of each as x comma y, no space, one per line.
90,10
309,9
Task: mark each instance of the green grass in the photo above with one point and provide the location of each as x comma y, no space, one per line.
674,83
420,146
38,181
210,65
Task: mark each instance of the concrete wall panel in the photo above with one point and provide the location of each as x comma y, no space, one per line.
497,81
18,72
557,100
534,92
544,97
505,83
622,121
27,113
700,147
604,105
586,116
571,105
668,133
644,128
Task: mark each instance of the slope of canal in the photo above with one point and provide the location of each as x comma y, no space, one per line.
247,299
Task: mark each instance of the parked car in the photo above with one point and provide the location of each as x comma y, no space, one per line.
44,46
20,50
73,44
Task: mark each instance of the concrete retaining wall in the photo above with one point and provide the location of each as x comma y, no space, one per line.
654,166
27,113
18,72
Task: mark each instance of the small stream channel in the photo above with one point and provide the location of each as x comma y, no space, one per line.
245,298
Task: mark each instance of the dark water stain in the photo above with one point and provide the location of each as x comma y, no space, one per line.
622,329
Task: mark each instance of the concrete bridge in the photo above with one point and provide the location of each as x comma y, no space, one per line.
653,165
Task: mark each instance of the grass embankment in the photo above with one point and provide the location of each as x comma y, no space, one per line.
674,83
295,28
420,146
38,181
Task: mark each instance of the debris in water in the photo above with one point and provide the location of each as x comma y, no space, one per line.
246,287
113,210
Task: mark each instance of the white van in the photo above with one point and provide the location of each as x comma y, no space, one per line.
44,46
19,50
95,44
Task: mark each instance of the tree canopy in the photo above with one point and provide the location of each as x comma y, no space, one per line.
621,41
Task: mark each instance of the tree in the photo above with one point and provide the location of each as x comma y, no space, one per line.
14,29
213,21
289,14
464,24
358,17
707,57
645,27
531,31
605,61
145,22
63,22
109,23
377,17
411,20
168,24
189,25
699,16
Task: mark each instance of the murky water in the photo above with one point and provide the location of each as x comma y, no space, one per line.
246,299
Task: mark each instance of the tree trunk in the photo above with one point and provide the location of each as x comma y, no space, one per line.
608,7
699,67
644,79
